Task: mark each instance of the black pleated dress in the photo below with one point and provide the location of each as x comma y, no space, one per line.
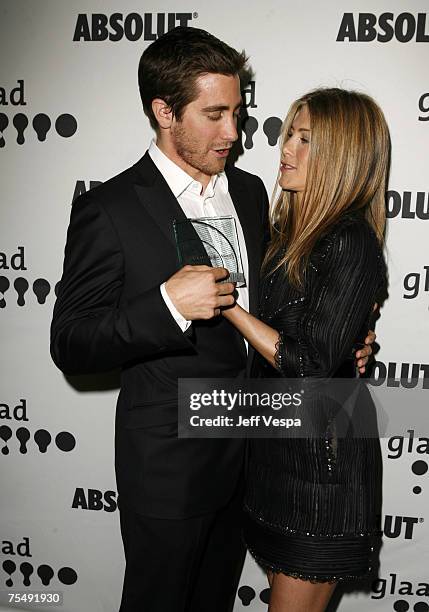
312,504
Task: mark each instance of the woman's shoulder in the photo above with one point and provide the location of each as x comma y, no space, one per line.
352,231
351,242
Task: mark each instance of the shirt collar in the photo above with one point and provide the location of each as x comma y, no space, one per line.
178,180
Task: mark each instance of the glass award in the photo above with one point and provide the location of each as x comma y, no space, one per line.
210,241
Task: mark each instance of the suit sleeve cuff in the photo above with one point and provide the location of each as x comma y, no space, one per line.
183,323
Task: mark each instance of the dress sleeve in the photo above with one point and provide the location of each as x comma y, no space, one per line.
340,294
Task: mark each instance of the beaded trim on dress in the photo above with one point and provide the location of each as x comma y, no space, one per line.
307,577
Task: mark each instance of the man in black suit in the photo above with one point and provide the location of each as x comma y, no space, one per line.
122,302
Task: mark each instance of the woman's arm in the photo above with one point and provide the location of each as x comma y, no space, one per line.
337,305
265,339
261,336
336,309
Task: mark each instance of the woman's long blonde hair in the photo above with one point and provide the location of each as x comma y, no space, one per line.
347,171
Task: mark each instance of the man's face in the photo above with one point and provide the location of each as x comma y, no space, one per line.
207,129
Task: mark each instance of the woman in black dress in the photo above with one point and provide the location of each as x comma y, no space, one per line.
311,504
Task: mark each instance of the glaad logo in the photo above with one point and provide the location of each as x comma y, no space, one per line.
412,283
149,26
45,573
65,124
406,375
93,499
408,205
247,594
394,586
424,107
403,606
16,261
249,124
395,447
366,27
64,440
271,128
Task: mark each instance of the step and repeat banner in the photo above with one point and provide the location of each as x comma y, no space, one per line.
70,118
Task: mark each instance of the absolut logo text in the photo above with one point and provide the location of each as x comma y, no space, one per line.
133,26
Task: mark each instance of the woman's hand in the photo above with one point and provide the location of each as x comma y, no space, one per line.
364,353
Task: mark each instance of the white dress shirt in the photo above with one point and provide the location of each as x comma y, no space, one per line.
214,202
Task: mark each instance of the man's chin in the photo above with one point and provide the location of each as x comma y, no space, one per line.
219,165
209,165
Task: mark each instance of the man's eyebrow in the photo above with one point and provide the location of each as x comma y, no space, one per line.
217,107
220,107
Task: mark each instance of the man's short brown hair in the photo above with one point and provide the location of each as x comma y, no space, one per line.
170,67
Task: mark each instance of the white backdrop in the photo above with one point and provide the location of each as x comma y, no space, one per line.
59,523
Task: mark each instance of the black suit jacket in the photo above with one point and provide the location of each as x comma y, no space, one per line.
109,313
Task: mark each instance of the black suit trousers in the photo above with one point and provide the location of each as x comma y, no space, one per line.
183,565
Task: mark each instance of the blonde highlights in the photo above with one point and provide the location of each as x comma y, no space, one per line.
347,170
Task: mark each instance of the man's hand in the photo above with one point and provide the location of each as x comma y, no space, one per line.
363,354
196,294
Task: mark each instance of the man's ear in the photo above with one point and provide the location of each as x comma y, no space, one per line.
163,113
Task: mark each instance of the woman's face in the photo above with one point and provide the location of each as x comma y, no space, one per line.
295,151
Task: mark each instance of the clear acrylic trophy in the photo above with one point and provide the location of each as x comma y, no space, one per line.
210,241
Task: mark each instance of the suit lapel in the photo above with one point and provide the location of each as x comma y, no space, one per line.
159,202
157,198
249,222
